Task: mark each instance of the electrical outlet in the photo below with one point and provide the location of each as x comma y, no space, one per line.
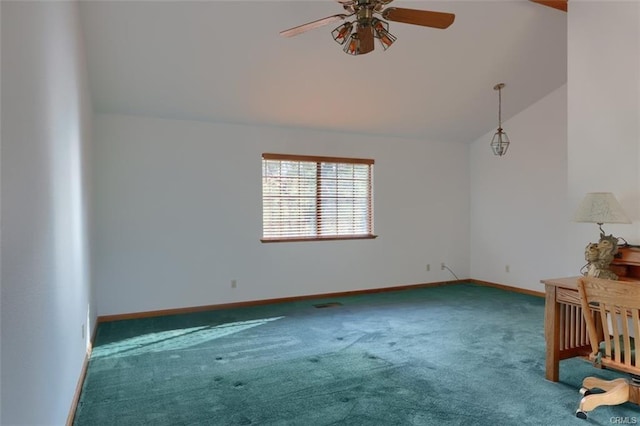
83,331
507,268
234,283
428,267
442,266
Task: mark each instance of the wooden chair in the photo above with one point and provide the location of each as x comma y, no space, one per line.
616,306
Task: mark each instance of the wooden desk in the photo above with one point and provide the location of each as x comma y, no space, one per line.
565,331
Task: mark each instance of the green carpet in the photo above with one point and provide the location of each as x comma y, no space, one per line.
454,355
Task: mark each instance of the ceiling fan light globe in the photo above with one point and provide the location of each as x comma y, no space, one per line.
387,41
379,25
386,38
352,47
342,33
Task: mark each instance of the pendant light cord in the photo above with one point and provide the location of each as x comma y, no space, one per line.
499,87
500,107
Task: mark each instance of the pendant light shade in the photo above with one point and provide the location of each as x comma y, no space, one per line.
500,142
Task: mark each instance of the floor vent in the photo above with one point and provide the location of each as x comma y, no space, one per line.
328,305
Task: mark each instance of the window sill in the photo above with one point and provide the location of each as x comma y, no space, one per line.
331,238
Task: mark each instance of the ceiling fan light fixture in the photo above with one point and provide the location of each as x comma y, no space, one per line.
381,31
342,33
500,142
352,47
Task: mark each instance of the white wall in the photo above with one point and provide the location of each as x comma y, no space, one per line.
563,147
178,215
46,295
518,202
604,112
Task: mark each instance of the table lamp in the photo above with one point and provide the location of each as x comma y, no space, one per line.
600,208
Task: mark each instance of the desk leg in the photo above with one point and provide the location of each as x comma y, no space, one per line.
552,333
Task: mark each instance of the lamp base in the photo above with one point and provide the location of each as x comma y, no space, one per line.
600,273
599,257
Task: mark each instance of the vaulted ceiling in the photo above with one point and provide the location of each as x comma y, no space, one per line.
224,61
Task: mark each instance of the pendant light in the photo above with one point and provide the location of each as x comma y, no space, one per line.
500,141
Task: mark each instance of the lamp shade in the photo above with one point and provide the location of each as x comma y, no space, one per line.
600,207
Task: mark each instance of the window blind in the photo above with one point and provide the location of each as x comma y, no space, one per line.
307,198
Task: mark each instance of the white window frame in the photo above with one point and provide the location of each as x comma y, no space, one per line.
311,198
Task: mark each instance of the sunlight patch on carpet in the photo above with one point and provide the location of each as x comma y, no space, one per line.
174,339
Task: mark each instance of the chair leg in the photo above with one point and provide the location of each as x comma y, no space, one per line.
613,396
605,385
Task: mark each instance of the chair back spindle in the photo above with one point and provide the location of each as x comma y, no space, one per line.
617,308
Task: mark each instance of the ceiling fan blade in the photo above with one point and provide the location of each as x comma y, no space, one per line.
365,34
556,4
425,18
312,25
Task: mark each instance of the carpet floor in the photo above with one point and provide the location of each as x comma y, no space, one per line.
453,355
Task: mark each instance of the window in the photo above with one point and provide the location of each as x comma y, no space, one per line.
316,198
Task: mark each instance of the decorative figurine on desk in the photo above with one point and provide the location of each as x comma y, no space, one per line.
599,257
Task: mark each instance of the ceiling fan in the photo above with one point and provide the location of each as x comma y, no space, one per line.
358,36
